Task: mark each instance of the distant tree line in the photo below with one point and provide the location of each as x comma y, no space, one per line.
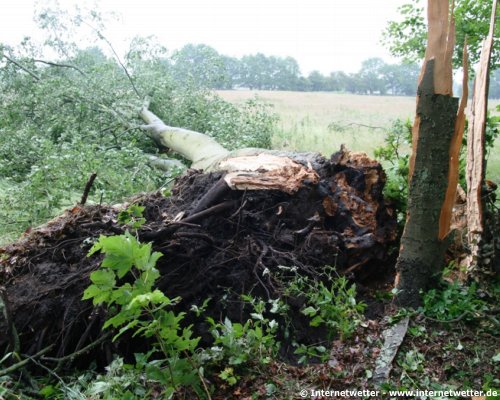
202,64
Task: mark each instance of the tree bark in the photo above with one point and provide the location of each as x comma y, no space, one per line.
422,250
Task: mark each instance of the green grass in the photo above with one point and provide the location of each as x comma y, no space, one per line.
305,118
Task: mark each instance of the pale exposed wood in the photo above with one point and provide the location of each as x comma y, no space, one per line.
414,140
201,149
165,164
393,338
256,169
456,144
475,148
440,44
266,172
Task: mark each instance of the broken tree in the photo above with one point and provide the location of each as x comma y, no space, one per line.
241,228
476,166
433,163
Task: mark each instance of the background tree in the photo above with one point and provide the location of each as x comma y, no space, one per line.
406,38
200,65
372,77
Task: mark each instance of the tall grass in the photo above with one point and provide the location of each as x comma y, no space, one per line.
321,122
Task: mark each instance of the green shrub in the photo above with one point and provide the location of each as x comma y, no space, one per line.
244,345
332,305
144,310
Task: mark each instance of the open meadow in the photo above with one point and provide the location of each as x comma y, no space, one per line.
322,121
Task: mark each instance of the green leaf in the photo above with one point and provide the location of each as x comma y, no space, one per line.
97,295
103,277
309,311
316,321
96,247
119,253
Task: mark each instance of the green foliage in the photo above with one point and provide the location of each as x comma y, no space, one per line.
332,305
249,125
311,352
132,216
243,345
121,381
396,154
412,361
142,309
453,301
407,37
78,114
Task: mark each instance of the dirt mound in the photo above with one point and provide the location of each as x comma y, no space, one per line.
216,242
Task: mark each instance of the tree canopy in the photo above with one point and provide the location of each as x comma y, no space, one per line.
76,113
406,38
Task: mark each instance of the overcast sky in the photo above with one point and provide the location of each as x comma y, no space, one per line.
326,35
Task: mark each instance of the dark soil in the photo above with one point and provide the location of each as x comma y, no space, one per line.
215,242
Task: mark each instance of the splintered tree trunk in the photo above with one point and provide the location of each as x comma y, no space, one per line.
475,157
422,248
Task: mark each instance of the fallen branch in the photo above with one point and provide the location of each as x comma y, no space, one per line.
53,64
393,337
88,186
70,357
22,67
22,363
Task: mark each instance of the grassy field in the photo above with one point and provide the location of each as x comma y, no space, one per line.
320,121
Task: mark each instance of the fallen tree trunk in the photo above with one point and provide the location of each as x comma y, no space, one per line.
220,237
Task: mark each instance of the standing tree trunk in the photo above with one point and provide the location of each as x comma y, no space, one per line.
422,245
476,165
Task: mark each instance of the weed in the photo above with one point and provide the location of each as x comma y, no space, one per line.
132,216
308,352
453,302
333,306
240,344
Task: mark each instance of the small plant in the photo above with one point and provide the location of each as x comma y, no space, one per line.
239,344
120,381
246,344
229,376
412,361
306,353
453,302
132,216
396,153
124,283
333,306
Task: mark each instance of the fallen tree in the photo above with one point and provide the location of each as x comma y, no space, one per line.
234,229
